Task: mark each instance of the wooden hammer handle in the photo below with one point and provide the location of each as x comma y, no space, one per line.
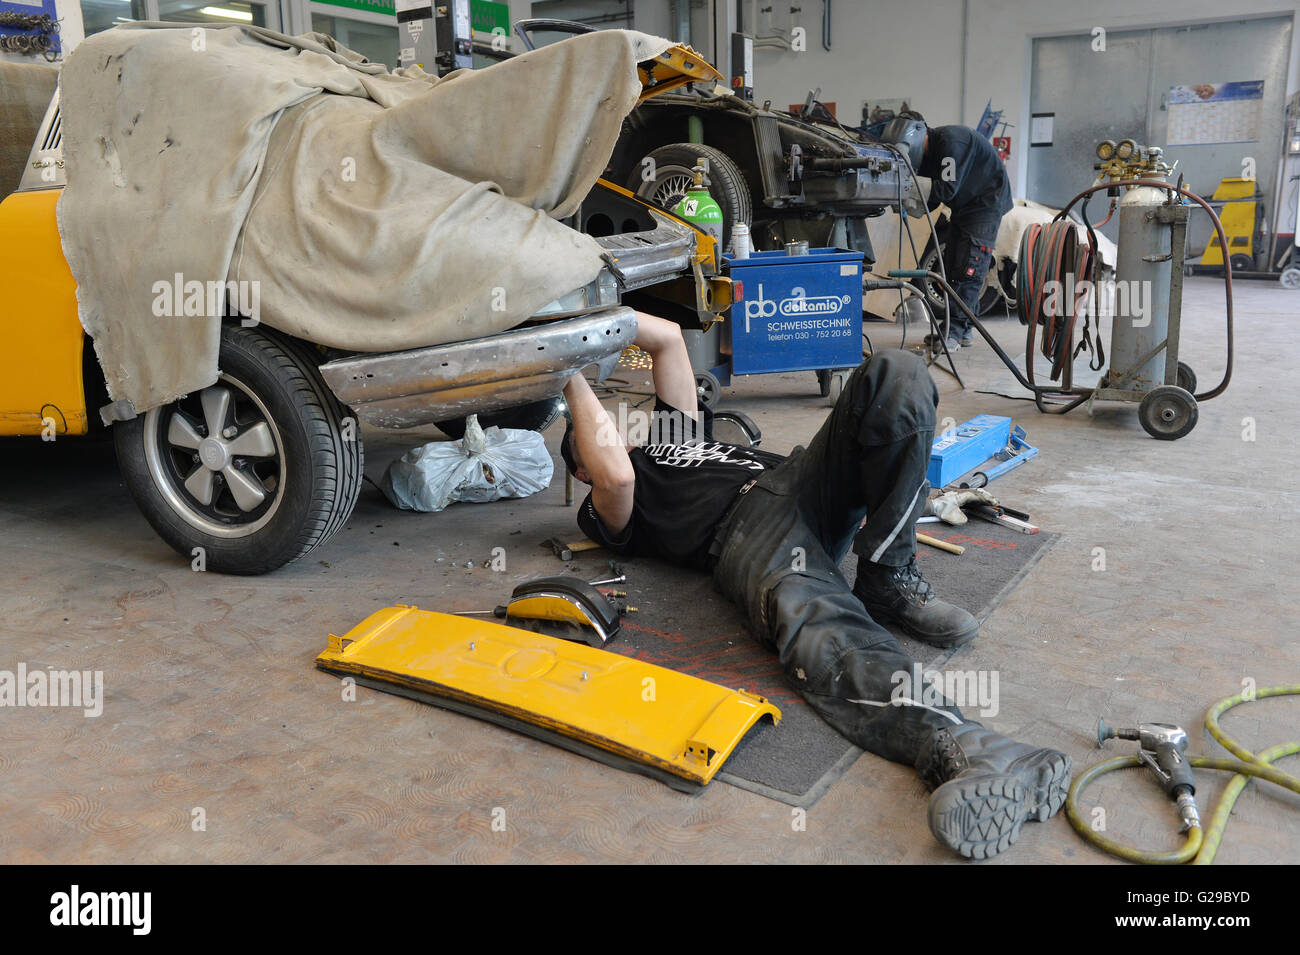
942,545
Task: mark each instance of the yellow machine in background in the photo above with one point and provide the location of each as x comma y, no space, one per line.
1239,215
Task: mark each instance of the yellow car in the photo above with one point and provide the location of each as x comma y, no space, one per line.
266,463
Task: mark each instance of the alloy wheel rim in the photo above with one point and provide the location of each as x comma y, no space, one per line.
218,459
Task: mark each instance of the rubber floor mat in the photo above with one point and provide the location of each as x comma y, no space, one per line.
997,558
684,624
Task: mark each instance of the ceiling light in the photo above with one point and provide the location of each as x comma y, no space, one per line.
245,15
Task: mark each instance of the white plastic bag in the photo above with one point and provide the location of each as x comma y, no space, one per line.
482,466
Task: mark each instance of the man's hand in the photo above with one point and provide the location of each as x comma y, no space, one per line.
602,460
673,376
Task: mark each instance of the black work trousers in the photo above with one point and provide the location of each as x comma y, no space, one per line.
861,482
967,255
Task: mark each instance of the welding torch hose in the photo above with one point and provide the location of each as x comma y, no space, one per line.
1201,845
1048,255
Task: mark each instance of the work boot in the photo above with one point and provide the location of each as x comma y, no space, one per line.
986,786
900,595
935,343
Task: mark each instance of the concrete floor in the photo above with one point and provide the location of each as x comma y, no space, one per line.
213,703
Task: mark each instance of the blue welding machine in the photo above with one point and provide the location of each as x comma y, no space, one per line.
798,312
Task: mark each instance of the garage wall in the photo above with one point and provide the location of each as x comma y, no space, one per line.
886,49
599,13
913,48
1003,65
1072,80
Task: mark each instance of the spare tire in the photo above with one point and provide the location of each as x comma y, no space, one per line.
668,179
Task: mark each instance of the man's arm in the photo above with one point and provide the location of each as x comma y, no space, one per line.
673,376
601,455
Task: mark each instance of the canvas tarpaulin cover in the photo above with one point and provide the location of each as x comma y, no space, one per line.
352,207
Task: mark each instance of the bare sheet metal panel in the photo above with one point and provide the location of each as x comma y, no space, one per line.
678,725
421,386
1120,93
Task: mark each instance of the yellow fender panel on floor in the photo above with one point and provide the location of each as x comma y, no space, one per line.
660,719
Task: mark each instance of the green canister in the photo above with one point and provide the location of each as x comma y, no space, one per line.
698,207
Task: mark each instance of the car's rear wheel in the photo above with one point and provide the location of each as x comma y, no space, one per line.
934,296
253,471
666,179
932,291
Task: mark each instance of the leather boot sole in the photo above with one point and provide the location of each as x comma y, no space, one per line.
886,615
980,815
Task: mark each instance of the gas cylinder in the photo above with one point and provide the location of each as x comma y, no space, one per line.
1141,304
698,207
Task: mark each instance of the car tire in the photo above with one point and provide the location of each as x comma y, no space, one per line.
534,416
673,165
280,478
990,296
989,299
933,292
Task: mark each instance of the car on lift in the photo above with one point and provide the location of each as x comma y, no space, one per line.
265,464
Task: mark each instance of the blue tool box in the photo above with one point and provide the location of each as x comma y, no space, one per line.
967,446
798,312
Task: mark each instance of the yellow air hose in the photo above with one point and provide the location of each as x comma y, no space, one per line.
1201,846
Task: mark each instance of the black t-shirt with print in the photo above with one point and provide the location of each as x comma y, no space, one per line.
683,489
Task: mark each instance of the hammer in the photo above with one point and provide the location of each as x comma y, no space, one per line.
566,551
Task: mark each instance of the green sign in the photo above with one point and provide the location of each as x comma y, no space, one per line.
487,16
369,6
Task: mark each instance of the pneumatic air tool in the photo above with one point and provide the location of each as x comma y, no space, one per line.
1161,749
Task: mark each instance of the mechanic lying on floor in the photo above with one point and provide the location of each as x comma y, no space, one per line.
773,530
